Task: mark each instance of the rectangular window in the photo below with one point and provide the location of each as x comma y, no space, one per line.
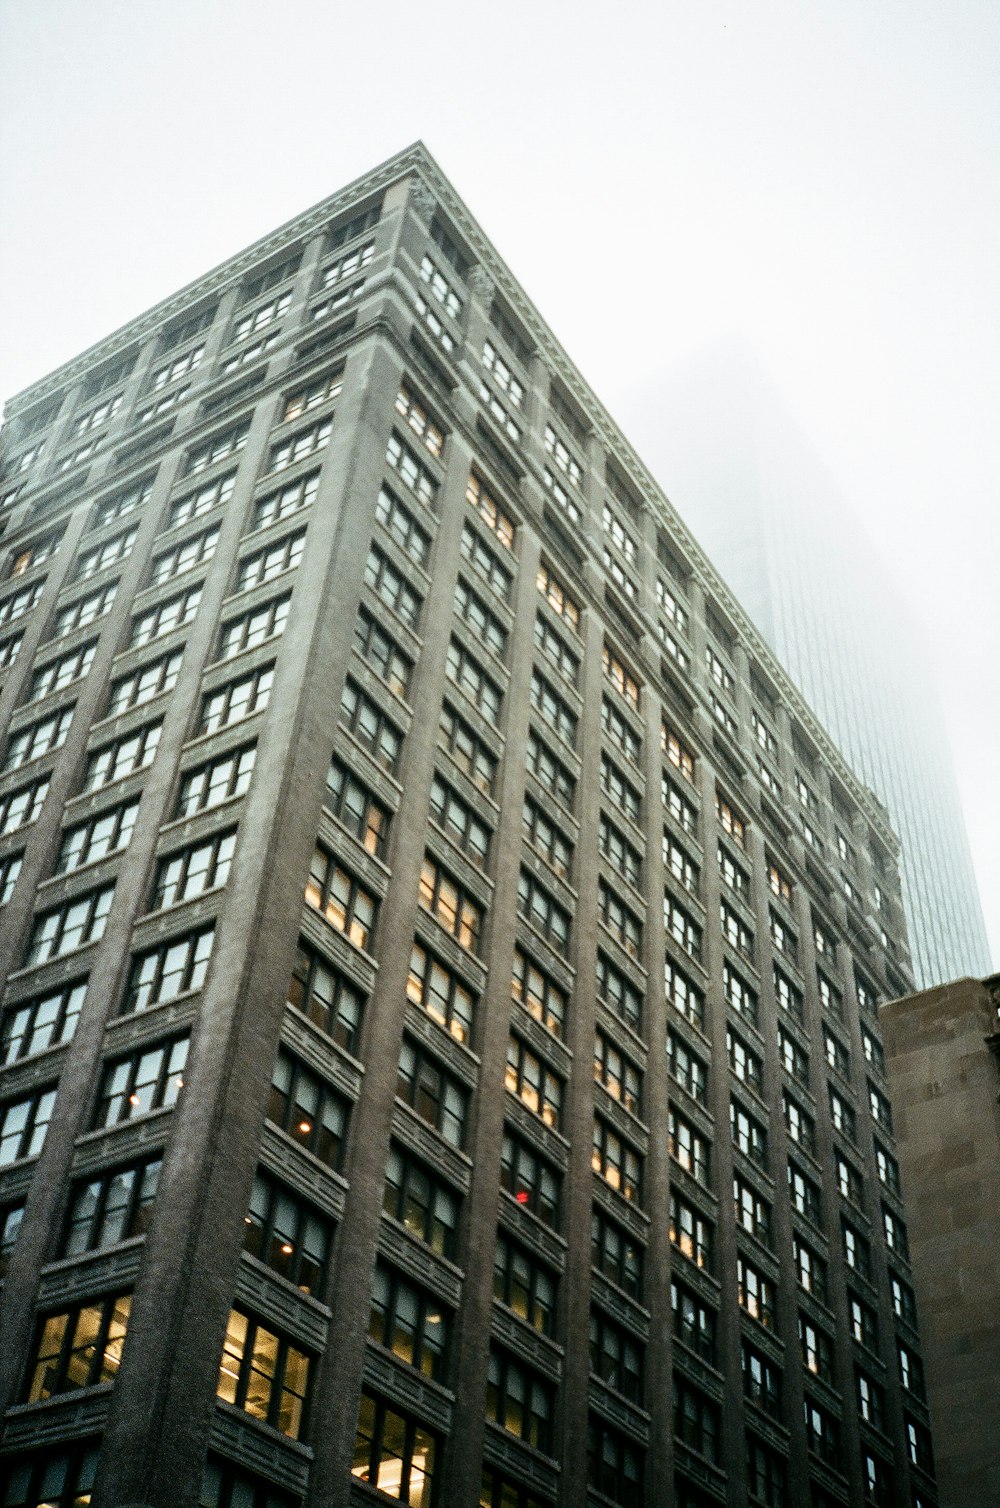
765,1475
615,1464
409,1322
113,1206
145,683
416,416
58,674
174,370
286,501
697,1420
788,996
321,992
615,1253
619,995
457,819
490,511
119,504
747,1065
21,807
619,852
691,1232
370,726
546,838
33,1025
558,597
519,1400
730,822
677,752
563,659
340,898
619,1075
693,1323
681,927
265,565
185,557
305,442
411,470
688,1147
799,1123
538,993
345,266
286,1234
842,1115
307,1109
621,678
735,930
465,672
680,864
84,610
381,652
72,925
79,1348
549,770
96,837
440,288
794,1060
524,1284
739,994
533,1082
23,1124
617,1162
9,651
752,1210
562,456
432,1092
467,750
804,1194
18,603
445,997
398,521
888,1168
35,553
755,1293
529,1178
218,780
194,870
616,1356
620,791
264,1374
322,389
543,912
502,374
387,584
810,1270
165,617
10,869
263,315
168,970
459,915
620,732
394,1452
256,627
420,1201
236,700
863,1323
206,498
38,738
684,996
473,611
686,1068
485,564
857,1251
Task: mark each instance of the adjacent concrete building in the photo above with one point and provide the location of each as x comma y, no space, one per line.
438,1064
943,1052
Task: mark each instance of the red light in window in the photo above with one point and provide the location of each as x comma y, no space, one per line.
521,1196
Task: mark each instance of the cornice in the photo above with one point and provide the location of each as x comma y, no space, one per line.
416,161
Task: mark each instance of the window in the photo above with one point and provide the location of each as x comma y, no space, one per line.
321,992
174,370
549,770
620,732
615,1253
895,1234
253,628
211,495
394,1452
354,805
370,726
74,924
410,469
765,1474
546,838
84,610
459,915
558,597
538,993
788,996
686,1068
287,500
145,683
749,1136
79,1348
621,678
798,1123
735,930
193,870
688,1147
904,1305
619,852
33,554
620,1076
764,735
429,1090
620,791
720,673
831,998
440,288
409,1322
543,912
696,1419
678,753
620,920
323,389
793,1059
58,674
168,970
837,1055
351,262
825,944
263,1374
693,1322
614,1463
465,672
340,898
21,807
871,1400
305,442
873,1050
563,458
38,738
529,1178
225,1486
18,603
569,506
184,557
551,707
880,1108
259,318
10,869
533,1082
864,1323
810,1270
113,1206
265,565
691,1232
747,1065
739,994
526,1286
556,651
857,1252
822,1433
236,699
681,927
732,824
486,626
779,885
752,1210
11,1219
222,779
420,1202
755,1293
732,875
307,1109
911,1370
33,1025
9,651
417,417
468,751
93,839
842,1115
23,1124
684,996
683,868
761,1380
442,996
805,1195
519,1399
118,504
165,617
783,937
502,375
124,756
148,1080
616,1356
888,1168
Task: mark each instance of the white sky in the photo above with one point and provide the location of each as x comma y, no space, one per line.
818,179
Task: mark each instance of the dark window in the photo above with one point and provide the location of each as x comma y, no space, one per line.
614,1463
519,1399
432,1092
409,1321
306,1108
421,1202
696,1419
286,1233
370,726
111,1207
534,1083
616,1356
467,750
529,1178
693,1323
615,1253
618,1163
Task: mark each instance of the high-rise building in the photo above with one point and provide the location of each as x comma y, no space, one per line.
943,1054
777,526
441,1048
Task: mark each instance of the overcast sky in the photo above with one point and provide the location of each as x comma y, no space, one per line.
819,180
